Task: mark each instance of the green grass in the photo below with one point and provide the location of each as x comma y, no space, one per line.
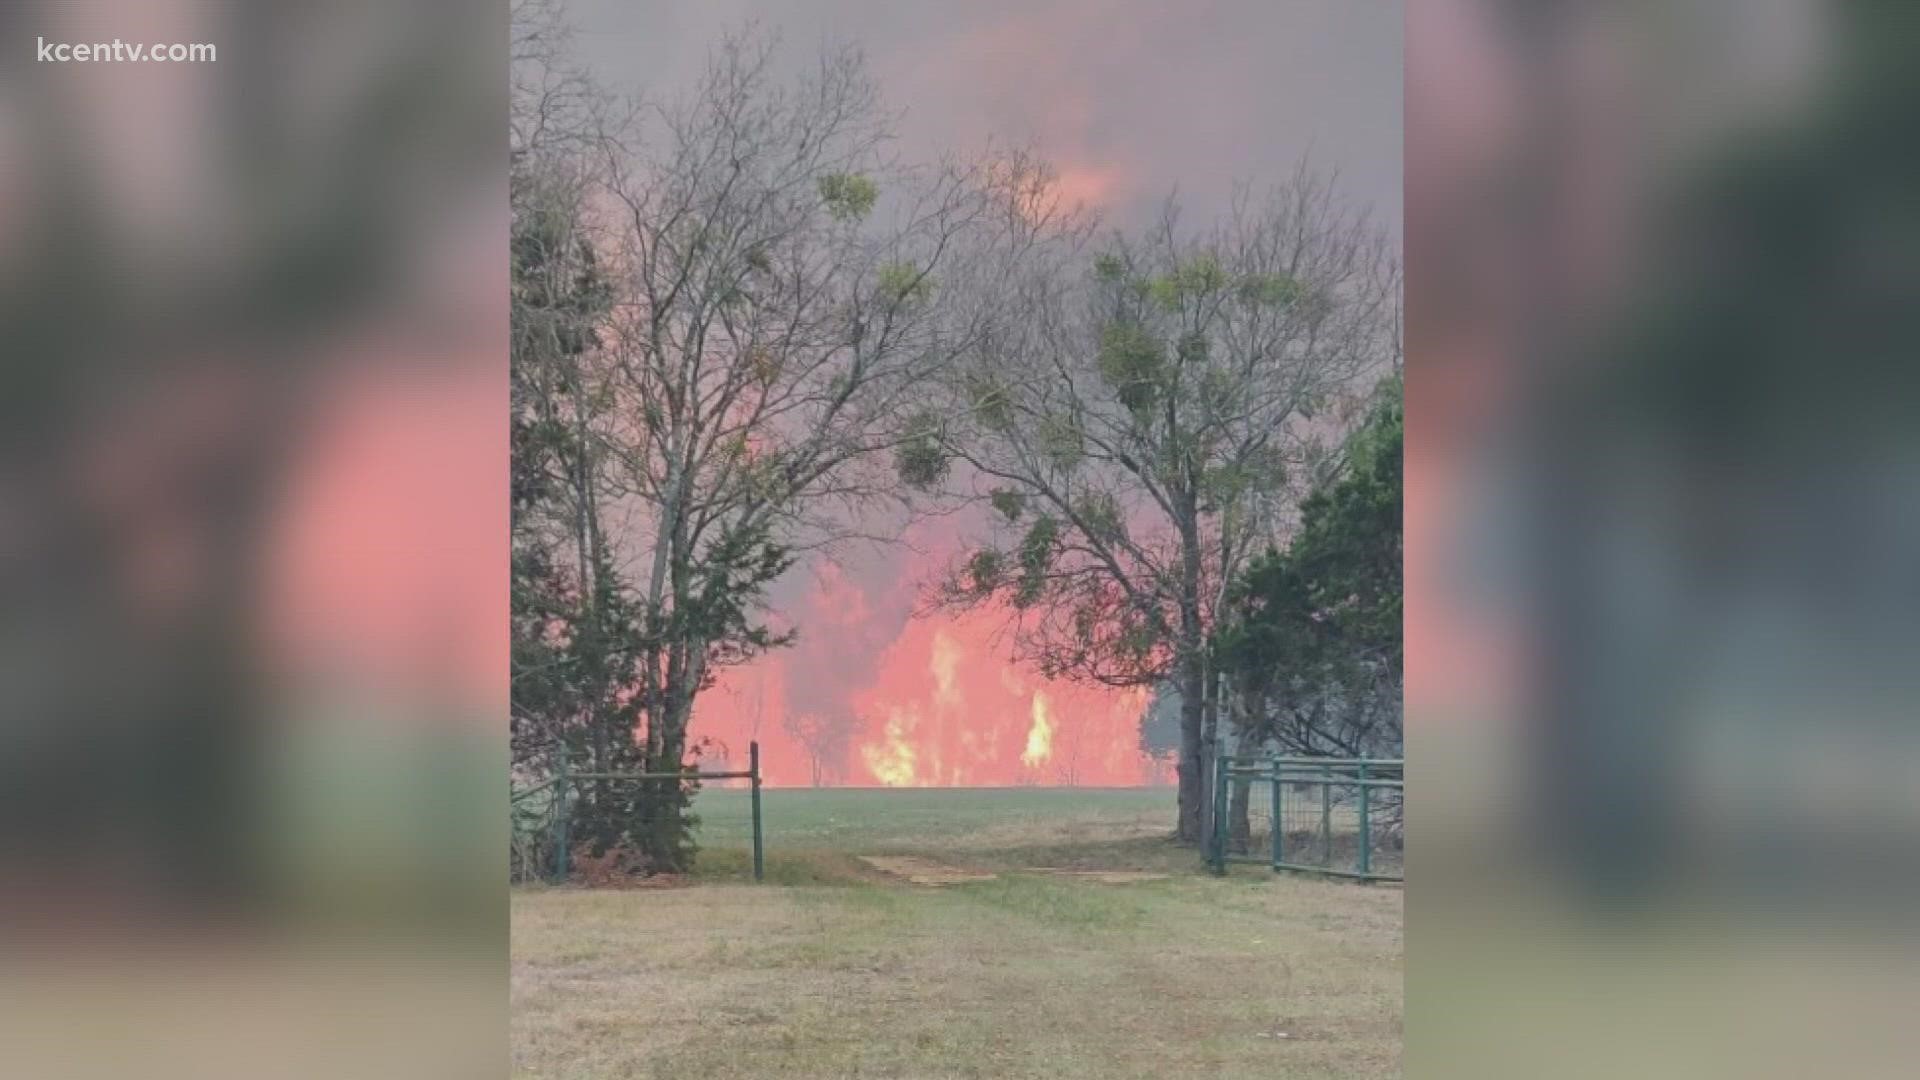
838,970
811,833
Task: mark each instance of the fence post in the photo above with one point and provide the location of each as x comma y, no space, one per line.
1326,815
1366,823
561,813
753,766
1219,811
1278,831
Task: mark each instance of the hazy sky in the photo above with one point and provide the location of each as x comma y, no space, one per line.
1128,98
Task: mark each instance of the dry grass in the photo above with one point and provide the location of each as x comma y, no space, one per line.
1029,974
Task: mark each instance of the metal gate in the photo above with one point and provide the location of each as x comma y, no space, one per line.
1338,816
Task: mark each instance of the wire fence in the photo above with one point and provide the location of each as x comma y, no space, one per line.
1338,816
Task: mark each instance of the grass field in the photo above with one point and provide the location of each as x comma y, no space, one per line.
837,969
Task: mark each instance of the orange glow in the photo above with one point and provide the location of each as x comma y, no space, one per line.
1087,186
936,702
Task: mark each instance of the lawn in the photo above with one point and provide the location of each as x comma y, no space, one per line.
836,968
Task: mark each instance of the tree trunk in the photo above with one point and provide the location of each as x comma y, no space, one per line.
657,818
1239,825
664,818
1196,751
1194,760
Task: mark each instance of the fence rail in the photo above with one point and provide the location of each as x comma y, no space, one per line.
1336,816
555,810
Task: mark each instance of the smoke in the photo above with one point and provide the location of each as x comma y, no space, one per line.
1129,103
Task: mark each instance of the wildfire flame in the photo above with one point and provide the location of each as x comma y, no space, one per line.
934,701
1040,736
891,760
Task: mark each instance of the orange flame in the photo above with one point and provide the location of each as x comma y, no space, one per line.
938,703
1040,736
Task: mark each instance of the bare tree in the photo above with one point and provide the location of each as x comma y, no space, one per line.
554,105
780,301
825,736
1142,421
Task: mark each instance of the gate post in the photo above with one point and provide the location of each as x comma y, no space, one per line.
1366,823
753,766
561,812
1278,832
1219,811
1326,815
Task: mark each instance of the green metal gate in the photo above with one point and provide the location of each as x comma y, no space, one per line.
542,809
1324,815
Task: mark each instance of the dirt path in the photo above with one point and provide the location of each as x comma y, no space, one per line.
932,872
924,871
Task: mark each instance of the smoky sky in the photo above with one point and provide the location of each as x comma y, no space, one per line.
1130,99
